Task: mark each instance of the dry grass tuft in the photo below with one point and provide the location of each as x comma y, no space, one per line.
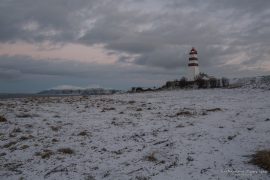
231,137
184,113
56,116
46,154
24,146
55,128
54,140
213,110
9,144
16,130
131,102
180,126
23,115
261,159
83,133
142,178
3,119
66,151
108,109
23,138
151,157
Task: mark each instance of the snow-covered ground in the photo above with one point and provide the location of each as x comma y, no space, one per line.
186,134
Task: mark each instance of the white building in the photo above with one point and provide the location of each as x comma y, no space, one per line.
193,65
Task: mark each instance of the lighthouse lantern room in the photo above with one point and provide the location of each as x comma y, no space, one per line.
193,65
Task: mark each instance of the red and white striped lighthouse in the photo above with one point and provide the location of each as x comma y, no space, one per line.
193,65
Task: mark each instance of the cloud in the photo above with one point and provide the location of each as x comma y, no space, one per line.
37,20
53,67
150,38
9,74
168,57
63,87
119,76
219,30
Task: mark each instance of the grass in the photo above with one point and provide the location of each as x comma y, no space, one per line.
55,128
66,151
151,157
131,102
180,126
3,119
261,159
83,133
184,113
16,130
23,138
24,146
213,110
142,178
231,137
26,137
54,140
10,144
46,154
23,115
108,109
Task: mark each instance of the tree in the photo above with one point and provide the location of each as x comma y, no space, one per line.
218,83
200,82
133,89
225,82
202,74
139,89
183,82
213,82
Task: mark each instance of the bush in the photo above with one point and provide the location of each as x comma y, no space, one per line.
261,159
183,82
225,82
213,82
201,82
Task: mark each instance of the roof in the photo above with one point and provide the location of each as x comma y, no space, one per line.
205,78
193,51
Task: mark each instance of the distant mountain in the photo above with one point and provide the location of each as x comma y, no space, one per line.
92,91
259,82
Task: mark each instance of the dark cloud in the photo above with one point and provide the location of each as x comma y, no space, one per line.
153,35
219,30
26,65
9,74
169,57
25,68
37,20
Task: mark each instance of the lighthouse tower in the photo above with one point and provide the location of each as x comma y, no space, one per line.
193,65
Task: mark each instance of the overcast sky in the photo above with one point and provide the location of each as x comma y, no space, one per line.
124,43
